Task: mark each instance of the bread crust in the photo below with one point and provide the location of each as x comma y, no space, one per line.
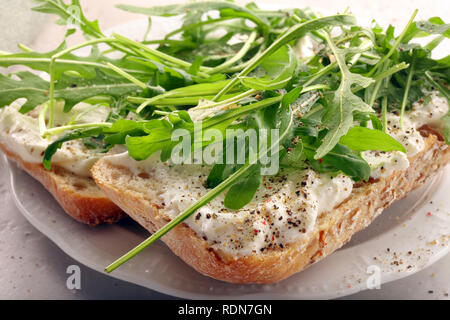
332,230
79,196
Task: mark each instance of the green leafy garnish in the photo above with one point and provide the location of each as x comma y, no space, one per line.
362,139
339,115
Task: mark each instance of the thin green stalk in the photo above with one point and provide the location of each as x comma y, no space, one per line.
384,103
382,75
58,130
180,218
442,89
156,53
186,101
189,91
247,45
434,43
182,43
376,87
242,66
231,100
394,69
321,72
405,95
20,60
394,47
24,48
127,75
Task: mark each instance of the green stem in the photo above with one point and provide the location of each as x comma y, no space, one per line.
58,130
382,75
247,45
156,53
394,47
405,95
321,72
168,101
127,76
233,99
180,218
189,91
24,48
442,89
434,43
384,103
377,86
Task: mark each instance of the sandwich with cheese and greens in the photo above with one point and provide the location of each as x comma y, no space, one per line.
252,142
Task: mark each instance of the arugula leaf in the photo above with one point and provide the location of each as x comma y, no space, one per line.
279,68
85,66
219,173
291,34
362,139
122,128
29,86
294,156
70,14
226,9
340,158
243,191
70,89
74,89
339,116
53,147
431,26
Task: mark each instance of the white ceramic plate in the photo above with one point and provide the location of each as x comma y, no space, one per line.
412,234
402,241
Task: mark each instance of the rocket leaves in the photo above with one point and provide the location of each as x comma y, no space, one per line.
70,14
339,115
279,69
71,89
362,139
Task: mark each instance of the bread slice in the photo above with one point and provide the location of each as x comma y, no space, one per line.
332,230
79,196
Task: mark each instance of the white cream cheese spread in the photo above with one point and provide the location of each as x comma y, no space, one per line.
283,210
20,134
384,163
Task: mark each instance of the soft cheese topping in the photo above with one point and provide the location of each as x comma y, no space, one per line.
283,211
384,163
20,134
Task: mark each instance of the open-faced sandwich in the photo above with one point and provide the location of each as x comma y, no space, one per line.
252,142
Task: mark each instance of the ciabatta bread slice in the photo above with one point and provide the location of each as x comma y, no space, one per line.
133,193
79,196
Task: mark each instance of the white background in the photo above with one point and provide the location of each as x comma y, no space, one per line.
32,267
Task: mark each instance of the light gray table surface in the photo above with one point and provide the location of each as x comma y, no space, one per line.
32,267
